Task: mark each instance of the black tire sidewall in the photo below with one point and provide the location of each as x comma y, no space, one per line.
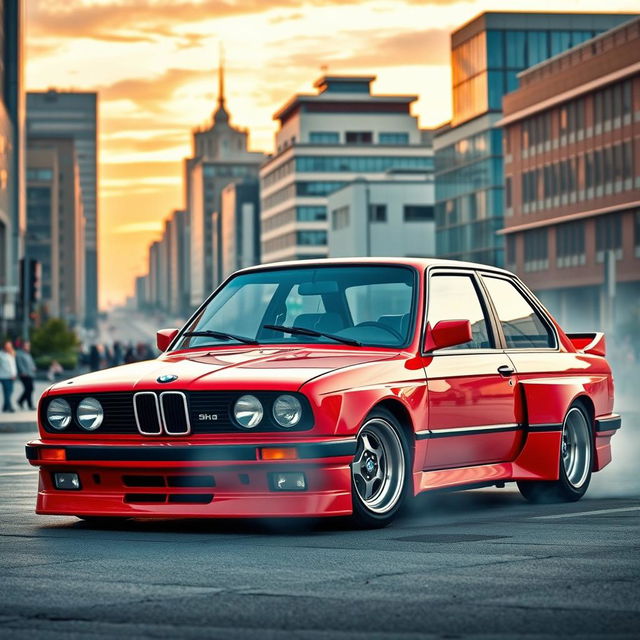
361,515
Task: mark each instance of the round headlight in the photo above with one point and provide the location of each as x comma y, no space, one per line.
90,414
59,414
248,411
287,411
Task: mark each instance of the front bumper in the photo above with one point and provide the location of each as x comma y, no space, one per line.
194,480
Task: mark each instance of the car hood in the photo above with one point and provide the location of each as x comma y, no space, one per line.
238,368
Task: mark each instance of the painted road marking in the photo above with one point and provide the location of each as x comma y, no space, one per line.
585,513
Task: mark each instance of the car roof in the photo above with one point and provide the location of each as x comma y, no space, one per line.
418,263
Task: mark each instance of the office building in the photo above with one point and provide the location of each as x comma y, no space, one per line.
178,240
400,220
220,157
240,226
74,115
326,140
43,223
572,168
47,155
487,54
12,205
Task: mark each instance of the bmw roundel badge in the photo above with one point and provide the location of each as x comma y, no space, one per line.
167,378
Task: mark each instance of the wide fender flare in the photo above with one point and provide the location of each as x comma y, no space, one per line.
545,404
547,400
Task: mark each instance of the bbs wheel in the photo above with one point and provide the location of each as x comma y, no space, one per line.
576,462
380,470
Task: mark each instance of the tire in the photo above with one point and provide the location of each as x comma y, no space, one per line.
380,471
576,462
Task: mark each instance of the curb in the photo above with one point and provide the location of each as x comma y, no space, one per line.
19,427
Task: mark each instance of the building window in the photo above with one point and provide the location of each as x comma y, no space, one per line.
317,188
377,212
311,213
40,175
418,213
340,218
637,232
394,138
609,236
372,164
570,244
510,253
507,193
536,250
324,137
359,137
311,238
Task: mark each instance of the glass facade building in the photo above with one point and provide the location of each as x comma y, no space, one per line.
74,115
487,55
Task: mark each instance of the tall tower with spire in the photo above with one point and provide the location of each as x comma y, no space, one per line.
220,157
219,139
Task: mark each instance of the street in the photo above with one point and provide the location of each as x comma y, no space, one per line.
482,564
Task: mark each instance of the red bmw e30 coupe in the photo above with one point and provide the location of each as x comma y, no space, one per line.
334,387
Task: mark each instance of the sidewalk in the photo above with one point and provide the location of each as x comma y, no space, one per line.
22,421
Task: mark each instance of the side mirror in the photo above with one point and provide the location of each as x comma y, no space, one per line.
447,333
164,338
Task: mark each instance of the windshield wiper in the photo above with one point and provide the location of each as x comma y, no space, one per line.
311,332
219,335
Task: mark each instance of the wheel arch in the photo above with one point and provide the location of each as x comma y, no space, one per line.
399,412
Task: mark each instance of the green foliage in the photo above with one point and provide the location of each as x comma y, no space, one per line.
54,340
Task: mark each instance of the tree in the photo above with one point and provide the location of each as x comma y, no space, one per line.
54,340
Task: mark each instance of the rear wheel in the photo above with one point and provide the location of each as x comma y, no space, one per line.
576,462
380,470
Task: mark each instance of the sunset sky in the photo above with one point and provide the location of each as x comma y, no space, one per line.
154,65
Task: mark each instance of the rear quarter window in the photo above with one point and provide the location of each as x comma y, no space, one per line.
522,325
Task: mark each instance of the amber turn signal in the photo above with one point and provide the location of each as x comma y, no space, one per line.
53,454
279,453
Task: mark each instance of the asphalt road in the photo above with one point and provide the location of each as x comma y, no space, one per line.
479,564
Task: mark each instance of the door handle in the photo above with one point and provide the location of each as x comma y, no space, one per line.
506,371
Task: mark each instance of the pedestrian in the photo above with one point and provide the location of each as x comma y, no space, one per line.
95,358
8,373
26,372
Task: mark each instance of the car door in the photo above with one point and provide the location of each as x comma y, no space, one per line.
470,387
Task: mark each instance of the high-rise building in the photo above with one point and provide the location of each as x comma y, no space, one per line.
240,226
220,157
43,224
400,219
74,115
178,238
69,224
12,211
487,54
326,140
572,167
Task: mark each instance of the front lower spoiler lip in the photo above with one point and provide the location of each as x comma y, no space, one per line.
193,453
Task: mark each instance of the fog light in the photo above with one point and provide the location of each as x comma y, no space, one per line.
288,481
66,481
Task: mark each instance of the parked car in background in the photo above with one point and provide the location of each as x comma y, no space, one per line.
334,388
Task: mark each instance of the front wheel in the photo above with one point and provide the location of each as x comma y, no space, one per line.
576,462
380,470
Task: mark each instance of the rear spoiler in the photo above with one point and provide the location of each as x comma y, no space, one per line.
593,343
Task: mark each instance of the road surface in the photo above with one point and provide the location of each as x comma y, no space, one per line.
481,564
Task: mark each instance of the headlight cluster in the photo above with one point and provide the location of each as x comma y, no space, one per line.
249,412
89,414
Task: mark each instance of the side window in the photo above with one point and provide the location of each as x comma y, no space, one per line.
452,297
521,324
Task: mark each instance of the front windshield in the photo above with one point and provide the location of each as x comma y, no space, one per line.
369,304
